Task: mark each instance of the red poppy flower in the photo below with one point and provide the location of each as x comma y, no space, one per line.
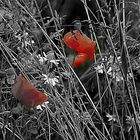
81,44
27,94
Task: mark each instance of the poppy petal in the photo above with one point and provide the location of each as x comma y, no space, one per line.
70,40
79,59
26,93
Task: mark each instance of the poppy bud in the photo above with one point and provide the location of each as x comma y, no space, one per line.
27,94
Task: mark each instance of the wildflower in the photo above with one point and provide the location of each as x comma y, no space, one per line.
48,57
99,68
82,45
115,73
42,60
111,117
50,80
